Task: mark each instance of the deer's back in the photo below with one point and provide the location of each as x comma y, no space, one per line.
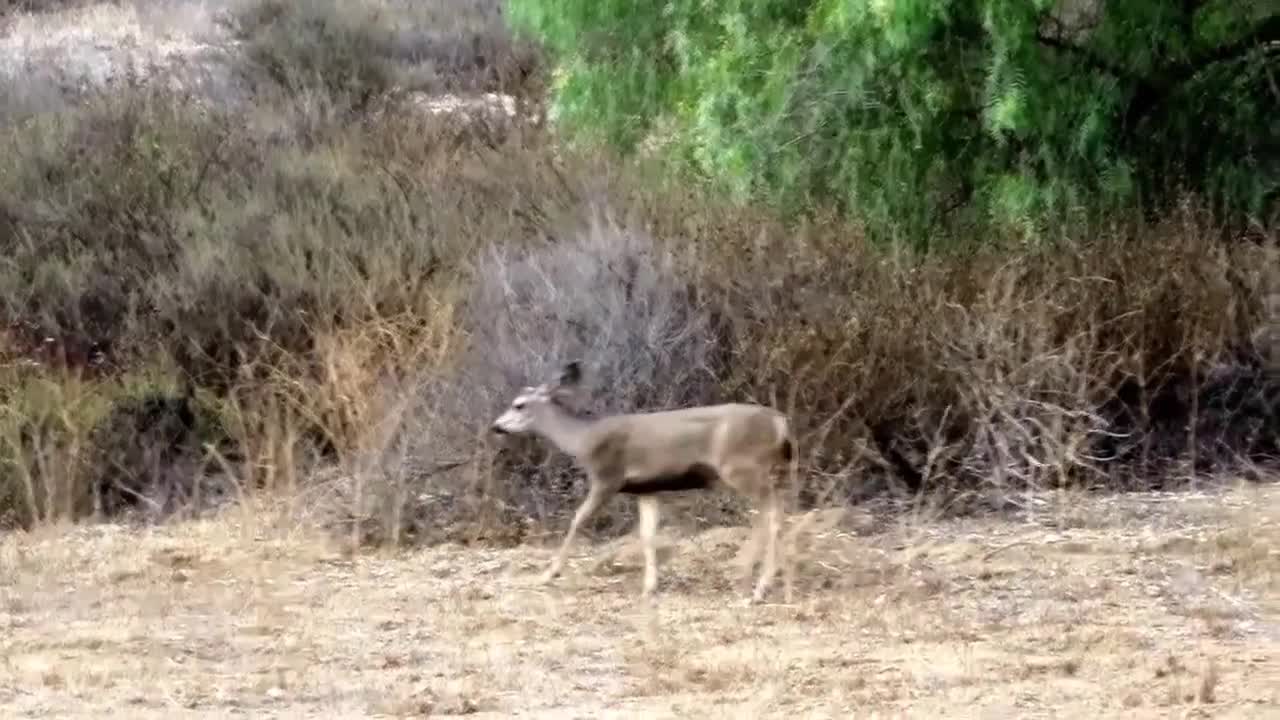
664,442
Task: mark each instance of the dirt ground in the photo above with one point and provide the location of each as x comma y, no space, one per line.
178,43
1136,606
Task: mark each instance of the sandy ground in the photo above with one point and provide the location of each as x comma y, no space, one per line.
1140,607
47,57
43,55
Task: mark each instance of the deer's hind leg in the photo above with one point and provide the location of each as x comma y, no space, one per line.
772,524
748,482
749,554
649,516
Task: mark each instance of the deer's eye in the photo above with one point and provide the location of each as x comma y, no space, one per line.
519,405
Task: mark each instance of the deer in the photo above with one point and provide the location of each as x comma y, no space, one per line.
651,454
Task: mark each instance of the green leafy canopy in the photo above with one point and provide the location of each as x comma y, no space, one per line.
920,115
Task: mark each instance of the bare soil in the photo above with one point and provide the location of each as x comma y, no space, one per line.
104,44
1136,606
48,57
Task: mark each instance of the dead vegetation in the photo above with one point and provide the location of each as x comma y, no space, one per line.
285,325
1137,606
340,302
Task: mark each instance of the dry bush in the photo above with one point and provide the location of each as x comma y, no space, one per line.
997,373
330,45
609,296
141,219
947,379
90,202
357,52
141,229
423,466
45,424
252,246
358,389
42,90
343,55
38,6
355,301
144,453
74,446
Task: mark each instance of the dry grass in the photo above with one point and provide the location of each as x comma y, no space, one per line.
1135,606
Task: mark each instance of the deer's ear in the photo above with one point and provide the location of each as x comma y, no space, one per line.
564,396
570,374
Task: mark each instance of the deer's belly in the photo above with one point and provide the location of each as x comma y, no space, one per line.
695,477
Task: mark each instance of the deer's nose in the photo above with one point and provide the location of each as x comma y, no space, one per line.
497,429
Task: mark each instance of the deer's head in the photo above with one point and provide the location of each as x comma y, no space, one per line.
530,404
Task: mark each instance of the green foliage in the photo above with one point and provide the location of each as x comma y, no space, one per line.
921,115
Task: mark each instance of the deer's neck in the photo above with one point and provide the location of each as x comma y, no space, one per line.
564,430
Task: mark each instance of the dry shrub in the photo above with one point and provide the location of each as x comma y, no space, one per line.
336,46
88,202
357,301
356,389
356,52
996,372
606,295
948,378
951,378
139,218
43,90
39,6
45,424
141,231
73,446
145,454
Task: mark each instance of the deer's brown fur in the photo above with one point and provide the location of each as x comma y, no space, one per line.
735,445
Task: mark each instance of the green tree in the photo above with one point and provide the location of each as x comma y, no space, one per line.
925,115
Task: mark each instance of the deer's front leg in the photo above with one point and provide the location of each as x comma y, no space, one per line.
596,498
